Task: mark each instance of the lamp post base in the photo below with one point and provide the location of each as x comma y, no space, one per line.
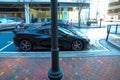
57,75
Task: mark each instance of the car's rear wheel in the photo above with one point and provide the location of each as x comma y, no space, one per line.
77,45
25,45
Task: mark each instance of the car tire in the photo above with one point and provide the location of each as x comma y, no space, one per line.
25,45
77,45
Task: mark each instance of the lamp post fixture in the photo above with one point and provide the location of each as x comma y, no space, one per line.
55,73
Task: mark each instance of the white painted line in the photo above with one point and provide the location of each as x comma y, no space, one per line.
102,46
9,41
6,46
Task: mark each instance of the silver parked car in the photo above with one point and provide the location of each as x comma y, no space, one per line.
7,23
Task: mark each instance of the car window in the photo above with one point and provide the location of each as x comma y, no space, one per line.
2,20
45,31
48,31
60,33
16,19
66,31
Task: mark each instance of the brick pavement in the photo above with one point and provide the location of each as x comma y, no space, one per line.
81,68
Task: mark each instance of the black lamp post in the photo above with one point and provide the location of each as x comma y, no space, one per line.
55,73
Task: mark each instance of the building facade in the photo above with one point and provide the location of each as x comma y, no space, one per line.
114,9
40,9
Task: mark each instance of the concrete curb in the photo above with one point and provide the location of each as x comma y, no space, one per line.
115,42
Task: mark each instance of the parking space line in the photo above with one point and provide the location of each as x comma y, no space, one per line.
102,46
6,46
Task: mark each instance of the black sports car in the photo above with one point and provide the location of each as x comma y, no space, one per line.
41,36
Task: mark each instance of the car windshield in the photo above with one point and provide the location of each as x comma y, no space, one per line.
17,19
65,31
2,20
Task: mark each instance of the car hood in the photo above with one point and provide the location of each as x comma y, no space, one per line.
80,35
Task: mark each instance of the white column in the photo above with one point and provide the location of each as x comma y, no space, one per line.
27,13
65,13
88,15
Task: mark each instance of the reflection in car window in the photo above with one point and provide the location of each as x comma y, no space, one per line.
44,31
41,32
66,31
47,31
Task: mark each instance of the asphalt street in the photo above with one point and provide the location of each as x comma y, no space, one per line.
98,45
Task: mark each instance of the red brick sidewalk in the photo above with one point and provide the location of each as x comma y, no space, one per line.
87,68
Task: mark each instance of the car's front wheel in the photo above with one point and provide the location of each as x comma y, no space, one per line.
77,45
25,45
